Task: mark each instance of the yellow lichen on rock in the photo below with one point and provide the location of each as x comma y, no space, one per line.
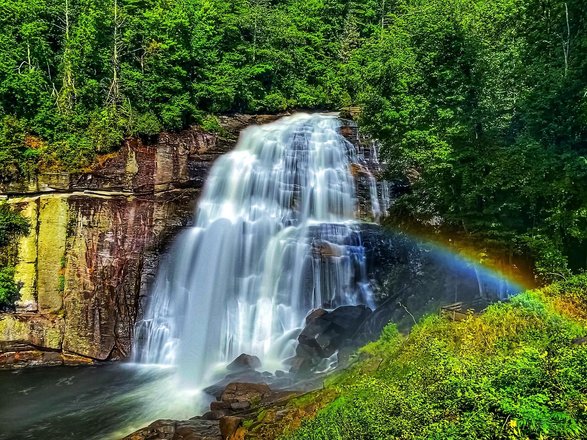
12,329
26,267
41,331
53,218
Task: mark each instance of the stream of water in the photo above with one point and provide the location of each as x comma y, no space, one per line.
89,403
275,236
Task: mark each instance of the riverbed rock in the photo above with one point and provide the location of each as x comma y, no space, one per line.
244,362
217,405
246,376
228,426
193,429
216,414
325,333
245,392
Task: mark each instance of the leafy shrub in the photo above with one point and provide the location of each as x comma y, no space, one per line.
12,225
9,290
211,123
16,158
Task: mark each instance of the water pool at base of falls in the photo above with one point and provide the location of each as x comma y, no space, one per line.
91,403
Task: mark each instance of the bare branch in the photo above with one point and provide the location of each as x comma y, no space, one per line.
407,311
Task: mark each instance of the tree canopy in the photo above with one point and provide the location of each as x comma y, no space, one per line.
480,105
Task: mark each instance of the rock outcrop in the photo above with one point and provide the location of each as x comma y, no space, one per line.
238,401
193,429
244,362
325,334
95,243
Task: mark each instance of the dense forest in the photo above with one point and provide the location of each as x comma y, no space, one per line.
480,105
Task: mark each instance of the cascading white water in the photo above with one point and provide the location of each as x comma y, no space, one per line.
274,238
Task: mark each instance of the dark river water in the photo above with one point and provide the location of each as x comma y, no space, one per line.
102,402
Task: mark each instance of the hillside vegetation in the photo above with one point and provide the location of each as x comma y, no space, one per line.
516,371
12,226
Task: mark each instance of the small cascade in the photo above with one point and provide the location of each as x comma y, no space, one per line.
377,190
275,236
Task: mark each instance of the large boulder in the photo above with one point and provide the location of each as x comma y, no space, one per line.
325,333
244,362
193,429
243,376
245,392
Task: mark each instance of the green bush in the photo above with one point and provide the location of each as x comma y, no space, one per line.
9,290
211,124
16,159
12,225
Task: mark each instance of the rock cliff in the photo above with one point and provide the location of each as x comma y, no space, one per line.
95,242
97,236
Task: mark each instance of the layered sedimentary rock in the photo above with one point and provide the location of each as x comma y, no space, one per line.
95,242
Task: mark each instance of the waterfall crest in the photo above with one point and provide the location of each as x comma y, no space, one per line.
274,237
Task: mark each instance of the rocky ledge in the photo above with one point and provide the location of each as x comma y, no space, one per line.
238,403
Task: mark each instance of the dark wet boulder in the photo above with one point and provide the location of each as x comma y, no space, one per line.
325,333
244,362
248,376
216,414
371,328
194,429
283,380
218,405
245,392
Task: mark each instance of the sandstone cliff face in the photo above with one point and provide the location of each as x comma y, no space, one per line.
95,241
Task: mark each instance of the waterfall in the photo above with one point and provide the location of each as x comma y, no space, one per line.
275,236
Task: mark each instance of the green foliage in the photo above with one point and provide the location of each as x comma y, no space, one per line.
479,105
512,372
16,159
82,74
9,291
12,225
211,124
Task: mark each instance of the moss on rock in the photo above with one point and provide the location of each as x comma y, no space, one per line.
53,219
26,267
